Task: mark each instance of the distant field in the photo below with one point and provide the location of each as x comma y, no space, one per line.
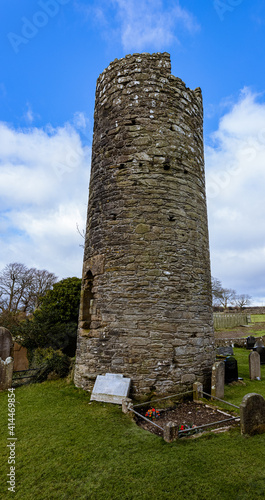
257,318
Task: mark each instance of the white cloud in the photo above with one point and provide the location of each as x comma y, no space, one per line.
147,23
235,162
80,120
44,177
140,24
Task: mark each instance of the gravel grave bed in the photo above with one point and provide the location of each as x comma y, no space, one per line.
189,413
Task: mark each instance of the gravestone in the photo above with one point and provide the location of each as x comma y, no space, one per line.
6,343
251,342
21,361
254,365
252,414
218,380
197,391
6,373
231,371
170,432
111,388
225,351
259,347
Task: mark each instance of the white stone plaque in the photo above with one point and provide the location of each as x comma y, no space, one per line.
111,388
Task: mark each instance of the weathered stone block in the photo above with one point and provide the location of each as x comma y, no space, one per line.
252,414
6,373
171,432
218,380
254,365
197,391
5,343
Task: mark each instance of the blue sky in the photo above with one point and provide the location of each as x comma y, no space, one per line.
52,52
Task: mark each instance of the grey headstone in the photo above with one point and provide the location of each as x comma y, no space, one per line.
5,343
6,373
218,380
251,342
231,370
252,414
254,365
111,388
259,347
259,343
197,391
170,432
225,351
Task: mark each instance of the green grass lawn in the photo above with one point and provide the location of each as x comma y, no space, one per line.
69,448
257,318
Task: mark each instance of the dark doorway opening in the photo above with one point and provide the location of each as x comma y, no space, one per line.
86,300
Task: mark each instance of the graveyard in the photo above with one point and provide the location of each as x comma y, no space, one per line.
71,447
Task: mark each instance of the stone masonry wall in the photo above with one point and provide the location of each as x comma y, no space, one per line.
146,298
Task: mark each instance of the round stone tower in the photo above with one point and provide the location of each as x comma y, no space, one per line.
146,294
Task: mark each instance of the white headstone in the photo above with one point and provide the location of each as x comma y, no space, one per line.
111,388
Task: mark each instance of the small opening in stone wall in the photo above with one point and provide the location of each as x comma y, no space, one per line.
113,216
171,217
133,121
121,166
140,164
166,164
185,171
86,300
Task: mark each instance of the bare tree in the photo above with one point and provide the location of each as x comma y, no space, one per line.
216,291
227,297
222,296
243,300
82,234
21,288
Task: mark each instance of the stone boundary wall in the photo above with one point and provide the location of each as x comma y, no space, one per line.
146,293
255,310
237,342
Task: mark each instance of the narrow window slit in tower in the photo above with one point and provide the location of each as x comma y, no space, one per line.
121,166
167,164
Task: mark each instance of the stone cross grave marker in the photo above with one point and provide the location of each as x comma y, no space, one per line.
252,414
218,380
254,365
111,388
5,343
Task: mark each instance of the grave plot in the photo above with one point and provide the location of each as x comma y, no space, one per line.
191,417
